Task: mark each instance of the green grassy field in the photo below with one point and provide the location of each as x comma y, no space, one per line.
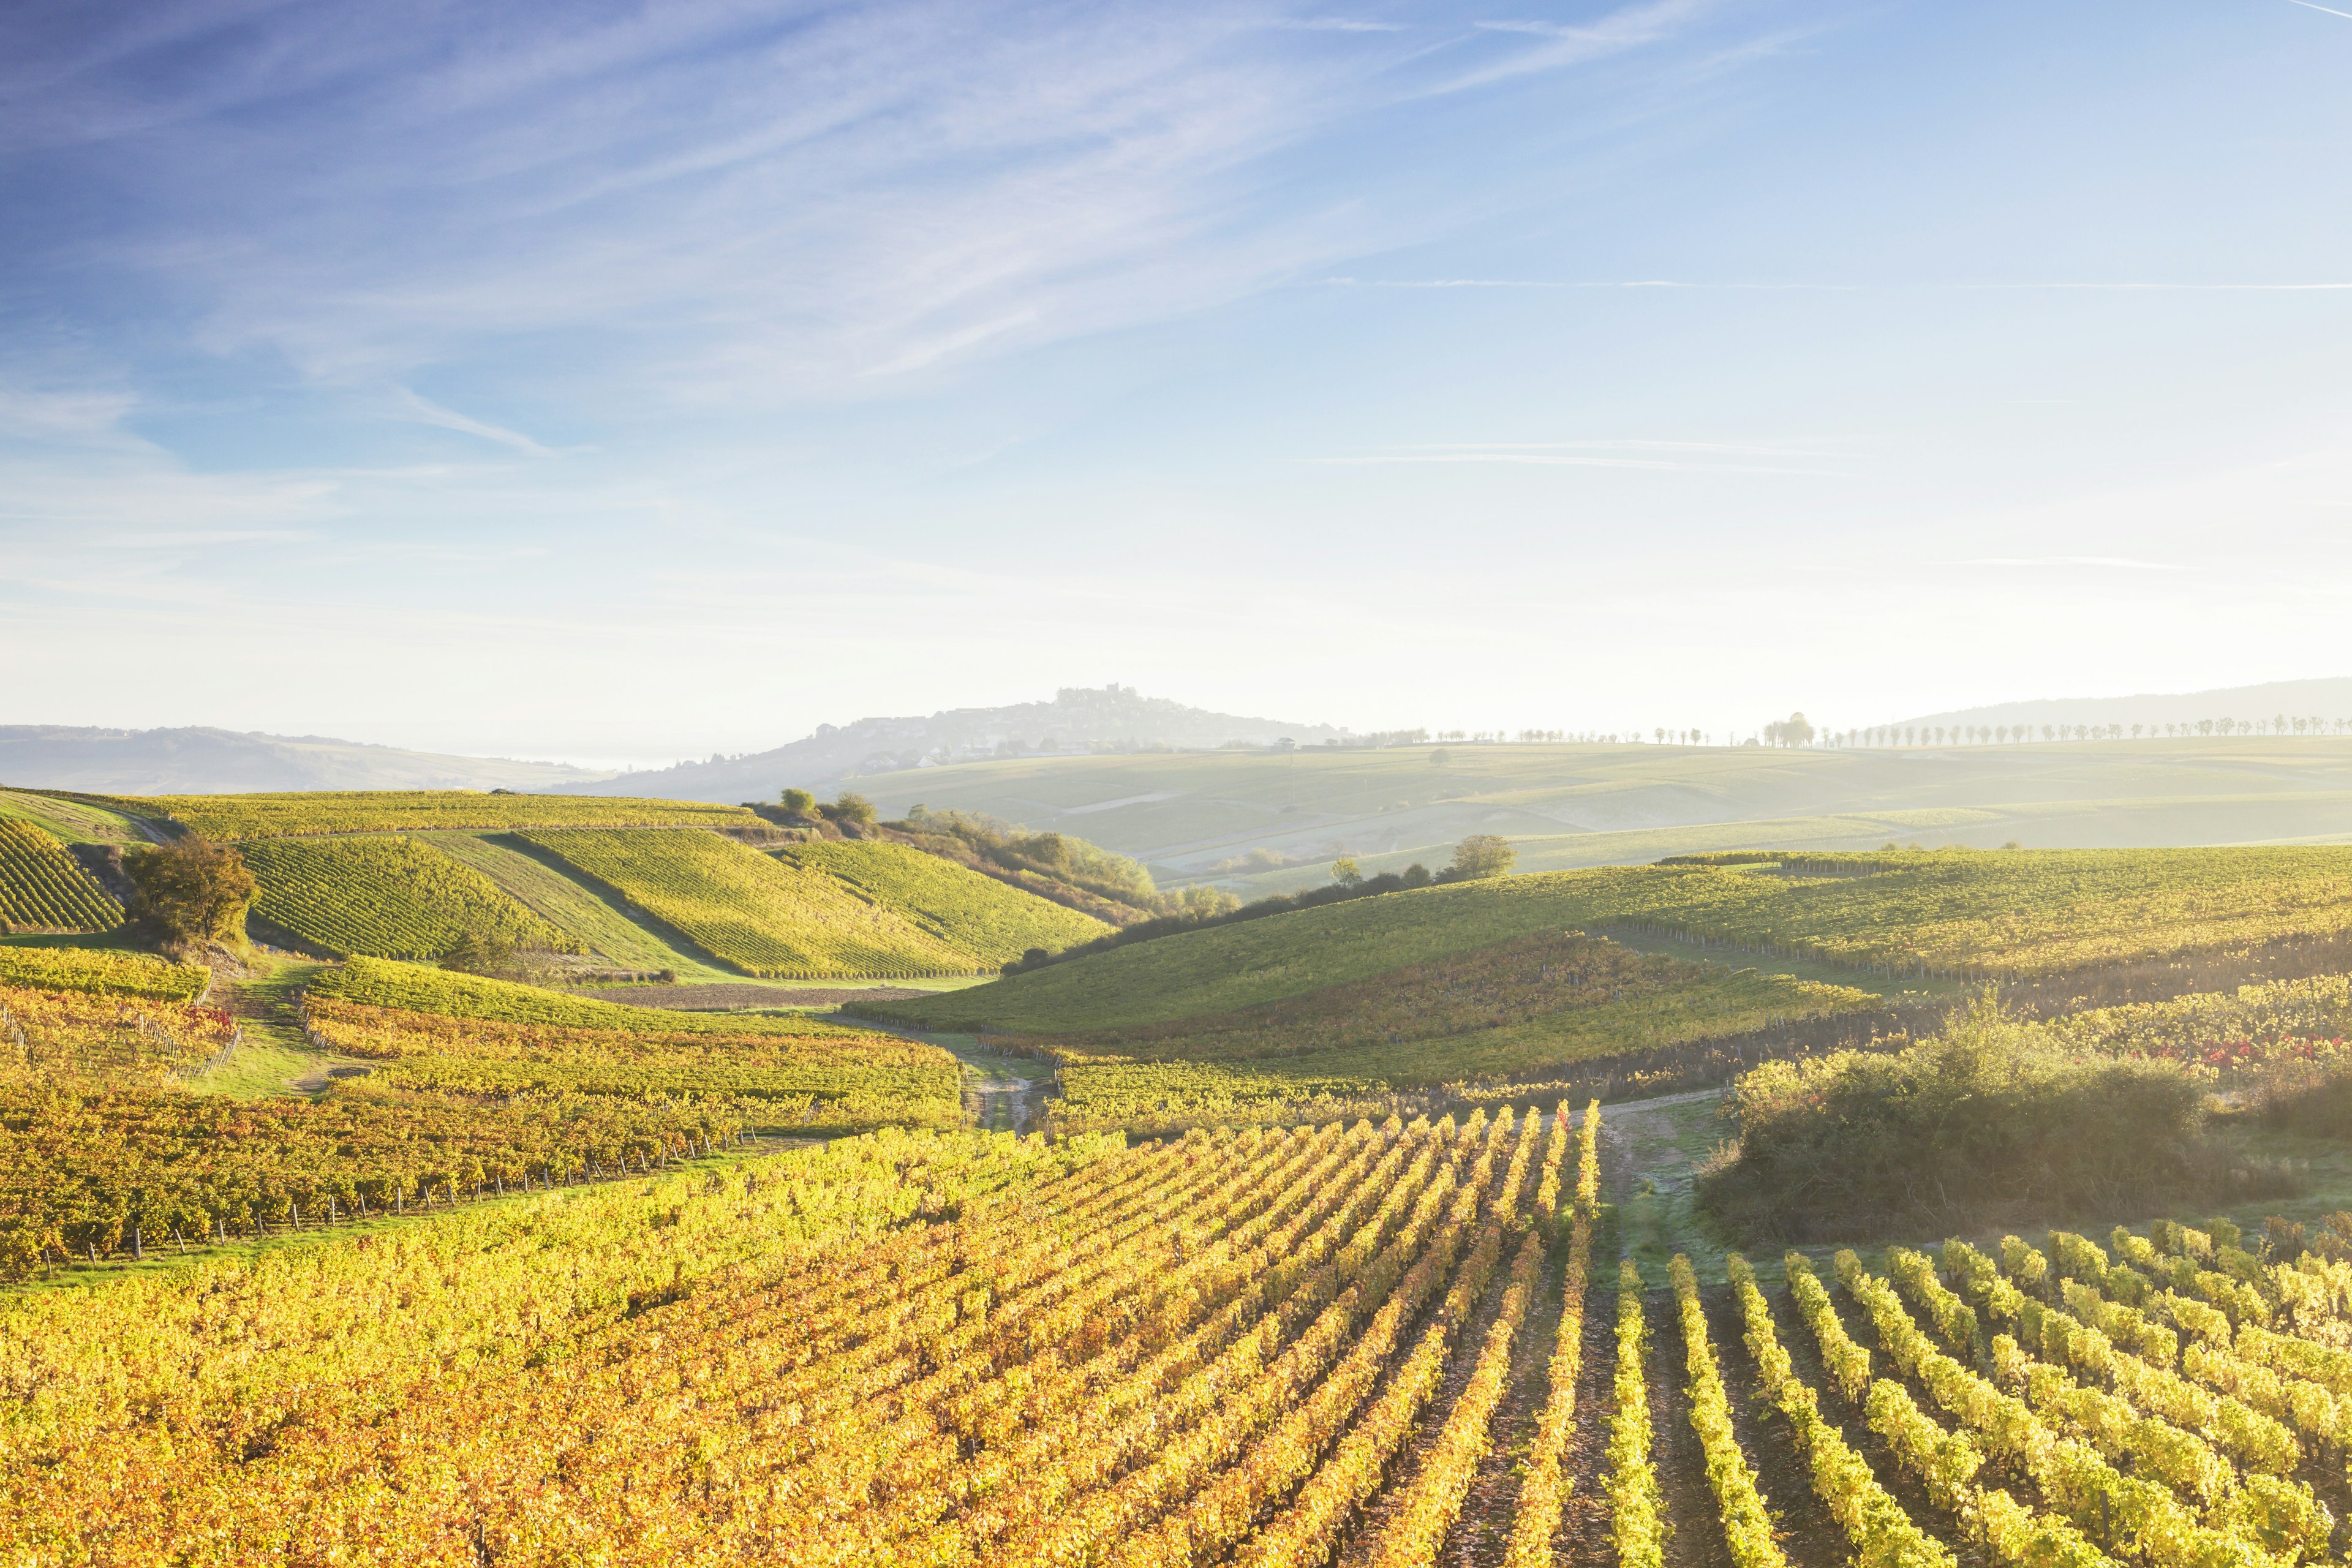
1564,806
45,889
388,896
74,821
2015,911
752,910
976,914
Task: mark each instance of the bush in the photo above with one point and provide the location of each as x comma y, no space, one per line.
1987,1122
798,802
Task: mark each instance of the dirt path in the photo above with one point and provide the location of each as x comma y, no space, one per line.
1483,1533
1001,1093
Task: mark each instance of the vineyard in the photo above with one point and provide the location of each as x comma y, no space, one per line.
415,988
51,1035
1366,1343
388,896
1257,1347
816,1078
42,887
321,812
100,971
979,915
1495,1019
106,1143
752,910
1885,918
567,905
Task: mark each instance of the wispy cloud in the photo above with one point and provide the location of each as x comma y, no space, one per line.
424,411
1561,45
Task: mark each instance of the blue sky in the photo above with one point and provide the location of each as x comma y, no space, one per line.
624,383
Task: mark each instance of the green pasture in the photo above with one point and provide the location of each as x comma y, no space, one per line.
1197,816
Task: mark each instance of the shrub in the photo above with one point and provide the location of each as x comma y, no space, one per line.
1986,1120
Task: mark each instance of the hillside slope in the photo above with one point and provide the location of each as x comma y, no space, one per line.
203,760
771,918
985,918
42,887
1079,720
387,896
2020,912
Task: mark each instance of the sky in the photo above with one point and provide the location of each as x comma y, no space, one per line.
621,384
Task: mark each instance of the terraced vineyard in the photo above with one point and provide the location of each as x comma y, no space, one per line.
387,896
42,887
311,812
754,912
977,915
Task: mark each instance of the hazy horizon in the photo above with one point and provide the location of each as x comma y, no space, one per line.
619,386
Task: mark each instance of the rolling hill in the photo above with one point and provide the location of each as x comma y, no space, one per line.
1258,823
407,874
203,760
1079,720
1580,981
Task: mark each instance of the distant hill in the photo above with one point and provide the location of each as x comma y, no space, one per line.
203,760
2326,699
1079,720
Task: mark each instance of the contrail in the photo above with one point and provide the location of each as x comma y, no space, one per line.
2331,10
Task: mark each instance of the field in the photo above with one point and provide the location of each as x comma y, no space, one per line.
1196,816
307,813
388,896
752,910
1383,1344
100,971
42,887
981,916
594,922
105,1141
1962,912
1498,1024
788,1073
73,820
415,988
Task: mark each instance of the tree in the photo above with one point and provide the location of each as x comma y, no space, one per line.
1438,759
1344,871
1481,855
1793,730
193,892
798,802
850,810
478,955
